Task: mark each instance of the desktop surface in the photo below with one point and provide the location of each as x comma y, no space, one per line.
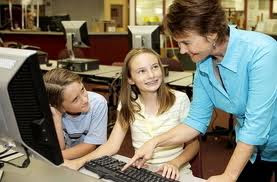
41,171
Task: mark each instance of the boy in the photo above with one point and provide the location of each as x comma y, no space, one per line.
80,117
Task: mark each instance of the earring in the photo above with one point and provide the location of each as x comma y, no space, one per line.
214,44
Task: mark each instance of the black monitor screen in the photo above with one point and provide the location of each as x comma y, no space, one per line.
52,23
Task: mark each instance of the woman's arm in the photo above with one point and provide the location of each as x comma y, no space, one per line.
178,135
239,159
109,148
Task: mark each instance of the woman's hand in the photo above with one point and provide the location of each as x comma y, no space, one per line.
169,170
143,154
74,164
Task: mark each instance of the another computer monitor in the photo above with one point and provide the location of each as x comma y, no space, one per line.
25,117
52,23
76,35
144,37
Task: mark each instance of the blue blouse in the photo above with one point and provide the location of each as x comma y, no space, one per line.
248,74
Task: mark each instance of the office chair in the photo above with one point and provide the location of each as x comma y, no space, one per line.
110,90
78,52
220,131
173,64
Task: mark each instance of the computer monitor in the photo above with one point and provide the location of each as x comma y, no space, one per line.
76,35
144,37
25,117
52,23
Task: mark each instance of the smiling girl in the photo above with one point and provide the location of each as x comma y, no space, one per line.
149,108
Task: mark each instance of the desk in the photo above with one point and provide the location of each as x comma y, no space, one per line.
184,82
102,69
172,75
189,178
177,75
110,72
41,171
109,75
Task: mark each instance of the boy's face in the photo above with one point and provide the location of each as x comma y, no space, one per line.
75,98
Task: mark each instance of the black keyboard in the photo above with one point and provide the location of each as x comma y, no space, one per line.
110,168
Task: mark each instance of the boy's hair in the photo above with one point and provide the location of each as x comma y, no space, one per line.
55,82
129,93
201,16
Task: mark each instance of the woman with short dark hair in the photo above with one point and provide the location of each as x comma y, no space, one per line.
234,73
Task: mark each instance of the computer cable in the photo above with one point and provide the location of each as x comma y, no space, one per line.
25,163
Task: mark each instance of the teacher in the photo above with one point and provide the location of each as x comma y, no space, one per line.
236,72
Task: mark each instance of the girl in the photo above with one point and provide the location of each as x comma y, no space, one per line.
149,108
80,117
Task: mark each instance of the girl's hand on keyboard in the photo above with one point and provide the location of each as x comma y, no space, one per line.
169,170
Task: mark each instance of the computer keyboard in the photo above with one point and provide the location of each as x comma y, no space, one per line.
110,168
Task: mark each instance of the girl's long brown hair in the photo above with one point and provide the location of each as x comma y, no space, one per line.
129,93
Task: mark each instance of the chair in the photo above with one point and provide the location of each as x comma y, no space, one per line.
110,90
220,131
78,52
173,64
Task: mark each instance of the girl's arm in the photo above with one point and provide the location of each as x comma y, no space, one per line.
171,168
109,148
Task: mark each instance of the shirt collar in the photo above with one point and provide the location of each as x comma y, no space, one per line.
231,57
